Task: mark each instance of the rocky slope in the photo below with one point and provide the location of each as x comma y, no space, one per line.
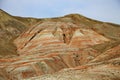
72,47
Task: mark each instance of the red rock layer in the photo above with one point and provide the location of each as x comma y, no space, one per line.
50,47
50,36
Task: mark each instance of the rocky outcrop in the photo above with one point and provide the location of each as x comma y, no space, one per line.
70,47
49,36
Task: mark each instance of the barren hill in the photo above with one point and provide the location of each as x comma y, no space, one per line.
71,47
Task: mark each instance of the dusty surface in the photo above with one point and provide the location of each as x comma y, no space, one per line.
72,47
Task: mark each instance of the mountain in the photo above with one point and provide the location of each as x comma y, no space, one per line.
71,47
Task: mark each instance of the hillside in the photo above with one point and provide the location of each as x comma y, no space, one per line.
71,47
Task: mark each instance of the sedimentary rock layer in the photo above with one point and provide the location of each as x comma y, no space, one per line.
71,47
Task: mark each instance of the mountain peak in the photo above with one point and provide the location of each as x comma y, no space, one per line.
74,15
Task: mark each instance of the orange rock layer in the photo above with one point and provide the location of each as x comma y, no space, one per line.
49,47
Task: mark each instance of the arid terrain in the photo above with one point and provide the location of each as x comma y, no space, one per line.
71,47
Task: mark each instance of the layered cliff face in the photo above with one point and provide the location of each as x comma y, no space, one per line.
71,47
